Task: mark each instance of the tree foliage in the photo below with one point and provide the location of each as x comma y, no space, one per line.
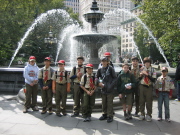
15,18
161,16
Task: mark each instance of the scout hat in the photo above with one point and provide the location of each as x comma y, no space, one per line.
134,58
89,65
107,54
61,62
80,57
47,58
32,58
104,59
164,69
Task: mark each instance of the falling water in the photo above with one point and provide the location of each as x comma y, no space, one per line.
40,19
69,30
145,27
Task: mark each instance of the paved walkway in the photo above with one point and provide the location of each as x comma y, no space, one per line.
14,122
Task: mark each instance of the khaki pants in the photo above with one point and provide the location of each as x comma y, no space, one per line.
31,95
107,104
47,97
89,102
145,99
61,95
78,97
135,96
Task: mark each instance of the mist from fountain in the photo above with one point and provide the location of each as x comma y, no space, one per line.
39,20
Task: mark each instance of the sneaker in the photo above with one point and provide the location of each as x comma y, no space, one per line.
35,108
88,119
126,116
58,114
43,111
103,117
129,116
168,120
25,110
64,114
109,119
159,119
148,118
75,115
50,112
141,117
85,119
136,115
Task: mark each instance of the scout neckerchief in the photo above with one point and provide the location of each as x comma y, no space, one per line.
61,76
91,84
79,70
146,79
163,84
46,76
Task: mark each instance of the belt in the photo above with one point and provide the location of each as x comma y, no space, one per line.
77,83
164,91
61,83
146,85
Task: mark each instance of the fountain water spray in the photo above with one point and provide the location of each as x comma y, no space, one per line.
40,19
69,30
145,27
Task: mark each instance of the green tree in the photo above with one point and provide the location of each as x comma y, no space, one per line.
17,16
161,16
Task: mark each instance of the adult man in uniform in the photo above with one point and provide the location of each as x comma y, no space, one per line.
75,75
45,82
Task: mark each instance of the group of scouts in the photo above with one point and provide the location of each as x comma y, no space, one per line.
135,84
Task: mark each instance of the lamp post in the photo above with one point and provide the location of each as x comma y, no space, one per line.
50,40
179,23
149,41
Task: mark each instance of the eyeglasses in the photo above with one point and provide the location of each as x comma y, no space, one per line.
164,71
60,64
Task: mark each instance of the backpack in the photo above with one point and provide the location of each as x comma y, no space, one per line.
66,72
85,79
74,69
51,70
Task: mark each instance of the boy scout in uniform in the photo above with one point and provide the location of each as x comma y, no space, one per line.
135,70
75,75
164,86
107,79
87,84
147,78
60,86
45,82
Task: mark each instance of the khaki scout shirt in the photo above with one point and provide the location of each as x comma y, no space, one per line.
168,83
152,73
42,74
76,80
137,74
87,81
57,77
